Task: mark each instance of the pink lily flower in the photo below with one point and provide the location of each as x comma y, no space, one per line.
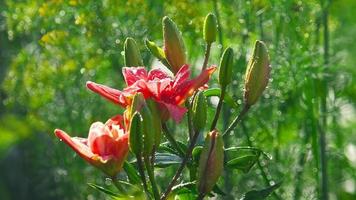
169,92
106,146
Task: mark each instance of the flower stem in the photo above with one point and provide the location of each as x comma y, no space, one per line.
142,174
218,109
181,167
151,176
171,140
236,120
323,109
206,56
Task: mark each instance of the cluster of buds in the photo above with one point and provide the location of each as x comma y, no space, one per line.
152,97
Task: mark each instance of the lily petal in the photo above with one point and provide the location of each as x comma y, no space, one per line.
77,144
184,90
111,94
133,74
176,112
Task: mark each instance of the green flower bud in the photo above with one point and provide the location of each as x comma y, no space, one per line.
211,162
155,121
199,111
157,52
173,45
132,53
210,28
225,69
135,136
257,74
137,102
148,132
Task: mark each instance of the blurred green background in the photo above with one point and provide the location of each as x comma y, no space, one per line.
50,48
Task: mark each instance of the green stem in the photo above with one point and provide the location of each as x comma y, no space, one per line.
236,120
189,116
181,167
141,171
218,109
323,109
171,140
206,56
151,176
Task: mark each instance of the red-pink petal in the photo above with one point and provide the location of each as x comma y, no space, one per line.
176,112
105,146
184,90
182,75
133,74
96,130
77,144
157,74
111,94
157,87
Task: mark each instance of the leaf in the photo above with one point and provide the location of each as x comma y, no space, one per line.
243,158
104,190
163,160
131,173
227,99
185,194
260,194
243,163
165,147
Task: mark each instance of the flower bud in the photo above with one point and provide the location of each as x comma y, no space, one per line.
199,111
210,28
132,53
157,52
211,162
225,69
148,134
137,103
155,121
257,74
173,45
135,137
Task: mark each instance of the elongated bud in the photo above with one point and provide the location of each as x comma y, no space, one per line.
157,52
132,53
211,162
155,121
148,134
199,111
210,28
225,68
137,102
135,137
173,45
257,74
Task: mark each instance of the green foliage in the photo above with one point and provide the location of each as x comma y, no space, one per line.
49,49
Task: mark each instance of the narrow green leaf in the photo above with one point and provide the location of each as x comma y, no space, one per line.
260,194
163,160
243,163
106,191
131,173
